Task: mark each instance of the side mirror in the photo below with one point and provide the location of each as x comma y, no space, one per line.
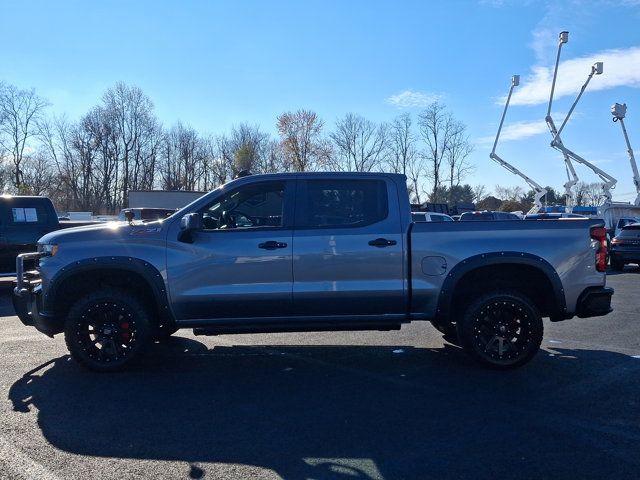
128,216
190,223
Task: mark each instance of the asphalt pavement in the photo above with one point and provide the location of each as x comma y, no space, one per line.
340,405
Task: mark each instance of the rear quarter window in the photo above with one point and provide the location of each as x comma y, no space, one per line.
26,214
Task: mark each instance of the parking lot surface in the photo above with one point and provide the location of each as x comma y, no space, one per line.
343,405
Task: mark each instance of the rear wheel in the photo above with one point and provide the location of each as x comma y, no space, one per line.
107,330
501,330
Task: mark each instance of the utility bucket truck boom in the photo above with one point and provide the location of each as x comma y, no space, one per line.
540,192
572,177
608,182
619,111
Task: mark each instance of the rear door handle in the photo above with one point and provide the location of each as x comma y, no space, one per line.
272,245
382,242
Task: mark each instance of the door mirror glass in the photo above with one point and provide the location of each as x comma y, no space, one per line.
190,223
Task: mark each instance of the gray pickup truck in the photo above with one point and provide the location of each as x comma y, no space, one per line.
312,252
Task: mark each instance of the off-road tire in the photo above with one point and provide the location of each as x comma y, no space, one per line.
107,330
501,329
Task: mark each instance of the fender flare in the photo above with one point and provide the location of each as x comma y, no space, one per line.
116,263
445,297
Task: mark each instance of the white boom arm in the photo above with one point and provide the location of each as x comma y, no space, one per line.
540,192
608,182
619,111
572,177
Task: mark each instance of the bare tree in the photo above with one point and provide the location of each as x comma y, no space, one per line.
5,176
20,111
38,175
401,144
513,194
438,129
457,153
479,193
360,144
403,155
131,114
301,140
182,157
415,172
589,194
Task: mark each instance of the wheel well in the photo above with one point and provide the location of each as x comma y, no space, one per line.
78,284
529,280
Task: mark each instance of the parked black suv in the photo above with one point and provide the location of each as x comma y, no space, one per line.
625,247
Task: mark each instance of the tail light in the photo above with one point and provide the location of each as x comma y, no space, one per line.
599,234
616,241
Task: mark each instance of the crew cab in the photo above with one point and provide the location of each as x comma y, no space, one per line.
312,252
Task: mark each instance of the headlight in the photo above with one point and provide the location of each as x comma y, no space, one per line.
48,249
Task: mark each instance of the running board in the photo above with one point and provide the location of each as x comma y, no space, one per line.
296,327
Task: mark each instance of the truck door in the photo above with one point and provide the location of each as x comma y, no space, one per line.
348,248
239,264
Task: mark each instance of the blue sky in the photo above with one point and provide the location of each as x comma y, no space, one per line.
215,64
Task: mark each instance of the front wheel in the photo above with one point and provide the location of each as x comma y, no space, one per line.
501,330
107,330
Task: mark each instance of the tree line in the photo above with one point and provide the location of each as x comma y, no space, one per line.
121,145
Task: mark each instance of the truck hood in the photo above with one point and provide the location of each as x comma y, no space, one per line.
104,231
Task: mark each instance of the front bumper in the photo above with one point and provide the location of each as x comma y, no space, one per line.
27,298
28,307
594,302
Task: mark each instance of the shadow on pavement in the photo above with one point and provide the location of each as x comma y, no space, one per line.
349,412
6,307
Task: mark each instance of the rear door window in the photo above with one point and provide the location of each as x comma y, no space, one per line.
343,203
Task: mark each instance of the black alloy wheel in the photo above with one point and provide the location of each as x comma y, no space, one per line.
107,330
501,330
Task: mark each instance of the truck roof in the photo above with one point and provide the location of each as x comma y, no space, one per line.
397,176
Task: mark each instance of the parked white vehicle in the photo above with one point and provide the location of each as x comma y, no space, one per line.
430,217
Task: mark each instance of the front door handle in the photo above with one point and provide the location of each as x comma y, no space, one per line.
382,242
272,245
